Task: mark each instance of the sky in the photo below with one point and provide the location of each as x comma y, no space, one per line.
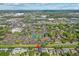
39,6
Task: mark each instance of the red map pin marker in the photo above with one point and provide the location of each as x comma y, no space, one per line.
37,46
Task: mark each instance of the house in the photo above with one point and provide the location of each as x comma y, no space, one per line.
16,30
51,19
44,39
19,50
44,50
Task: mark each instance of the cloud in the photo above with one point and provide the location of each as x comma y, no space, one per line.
39,6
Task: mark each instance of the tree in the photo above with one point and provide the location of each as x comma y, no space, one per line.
3,53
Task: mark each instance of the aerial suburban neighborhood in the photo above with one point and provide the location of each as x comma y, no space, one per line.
39,33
